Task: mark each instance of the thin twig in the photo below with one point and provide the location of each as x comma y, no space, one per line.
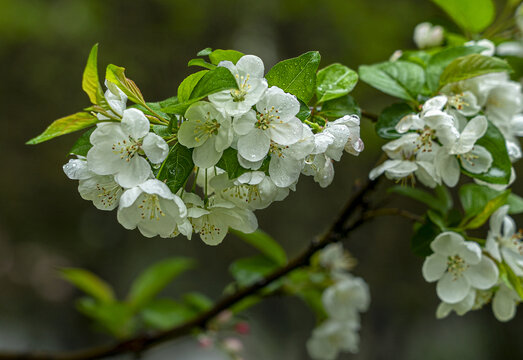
354,214
372,117
393,212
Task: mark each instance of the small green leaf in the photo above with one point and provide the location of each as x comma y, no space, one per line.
65,125
337,108
389,118
335,81
212,82
198,302
219,55
296,76
90,82
470,15
186,87
501,168
420,57
82,146
444,196
163,314
176,168
511,279
116,75
265,244
470,66
401,79
515,203
116,318
89,283
424,234
422,196
247,271
439,61
487,211
202,63
155,278
229,163
475,197
305,111
204,52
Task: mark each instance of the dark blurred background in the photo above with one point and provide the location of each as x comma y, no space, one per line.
44,224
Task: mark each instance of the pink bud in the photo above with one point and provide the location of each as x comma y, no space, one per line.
242,328
205,341
233,345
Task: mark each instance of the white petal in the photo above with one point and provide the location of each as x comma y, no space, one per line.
474,130
434,267
503,304
252,65
245,123
206,155
477,161
284,171
452,289
286,133
135,124
155,148
255,145
447,243
135,173
77,169
483,275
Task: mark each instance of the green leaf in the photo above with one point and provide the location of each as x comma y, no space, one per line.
90,82
116,318
439,61
202,63
204,52
212,82
511,279
82,146
229,163
335,81
337,108
265,244
247,271
424,234
89,283
225,55
470,66
176,168
475,197
305,111
419,57
444,196
155,278
401,79
65,125
297,75
501,168
487,211
186,87
389,118
163,314
116,75
516,64
470,15
422,196
198,302
515,203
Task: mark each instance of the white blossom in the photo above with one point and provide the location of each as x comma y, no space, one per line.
152,208
427,35
248,73
458,265
346,298
335,258
117,149
274,121
332,337
504,303
208,131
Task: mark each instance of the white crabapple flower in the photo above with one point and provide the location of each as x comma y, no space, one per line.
116,100
335,258
489,46
248,73
461,307
118,148
346,298
152,208
208,131
274,121
214,220
504,303
504,242
102,190
407,159
332,337
427,35
458,266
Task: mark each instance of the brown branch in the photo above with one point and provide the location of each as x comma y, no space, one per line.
372,117
393,212
353,215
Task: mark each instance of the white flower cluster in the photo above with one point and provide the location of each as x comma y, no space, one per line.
441,139
343,301
468,276
257,121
